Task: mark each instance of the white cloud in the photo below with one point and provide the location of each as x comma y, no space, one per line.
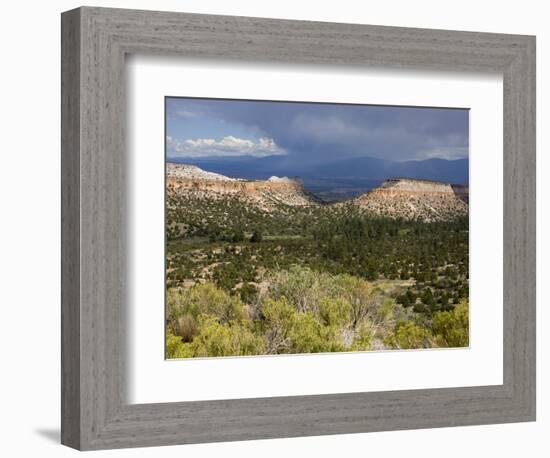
449,153
227,146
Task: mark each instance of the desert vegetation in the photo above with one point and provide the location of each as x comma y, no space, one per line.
242,280
303,311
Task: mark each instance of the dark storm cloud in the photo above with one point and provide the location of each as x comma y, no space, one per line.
310,131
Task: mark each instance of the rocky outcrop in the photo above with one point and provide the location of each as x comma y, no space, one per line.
192,172
396,198
415,199
198,183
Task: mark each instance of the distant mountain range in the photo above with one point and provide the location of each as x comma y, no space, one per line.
339,179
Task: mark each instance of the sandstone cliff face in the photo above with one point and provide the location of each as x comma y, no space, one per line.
265,194
412,185
396,198
415,199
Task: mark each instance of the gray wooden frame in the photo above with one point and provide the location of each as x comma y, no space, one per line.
95,413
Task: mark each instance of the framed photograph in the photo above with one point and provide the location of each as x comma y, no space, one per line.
277,228
351,253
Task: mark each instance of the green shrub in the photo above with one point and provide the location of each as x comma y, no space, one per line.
309,336
290,331
256,236
175,348
278,317
249,293
203,299
186,327
420,308
409,335
361,295
334,312
305,289
387,311
451,328
238,236
302,287
230,339
364,337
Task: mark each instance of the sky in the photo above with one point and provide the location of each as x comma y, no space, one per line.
303,132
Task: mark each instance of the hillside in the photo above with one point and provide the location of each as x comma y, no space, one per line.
265,194
201,202
415,200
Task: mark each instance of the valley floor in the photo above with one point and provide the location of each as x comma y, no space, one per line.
310,279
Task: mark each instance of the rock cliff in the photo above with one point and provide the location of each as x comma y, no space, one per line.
396,198
197,183
416,199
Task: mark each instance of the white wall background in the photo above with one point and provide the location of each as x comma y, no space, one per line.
29,228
